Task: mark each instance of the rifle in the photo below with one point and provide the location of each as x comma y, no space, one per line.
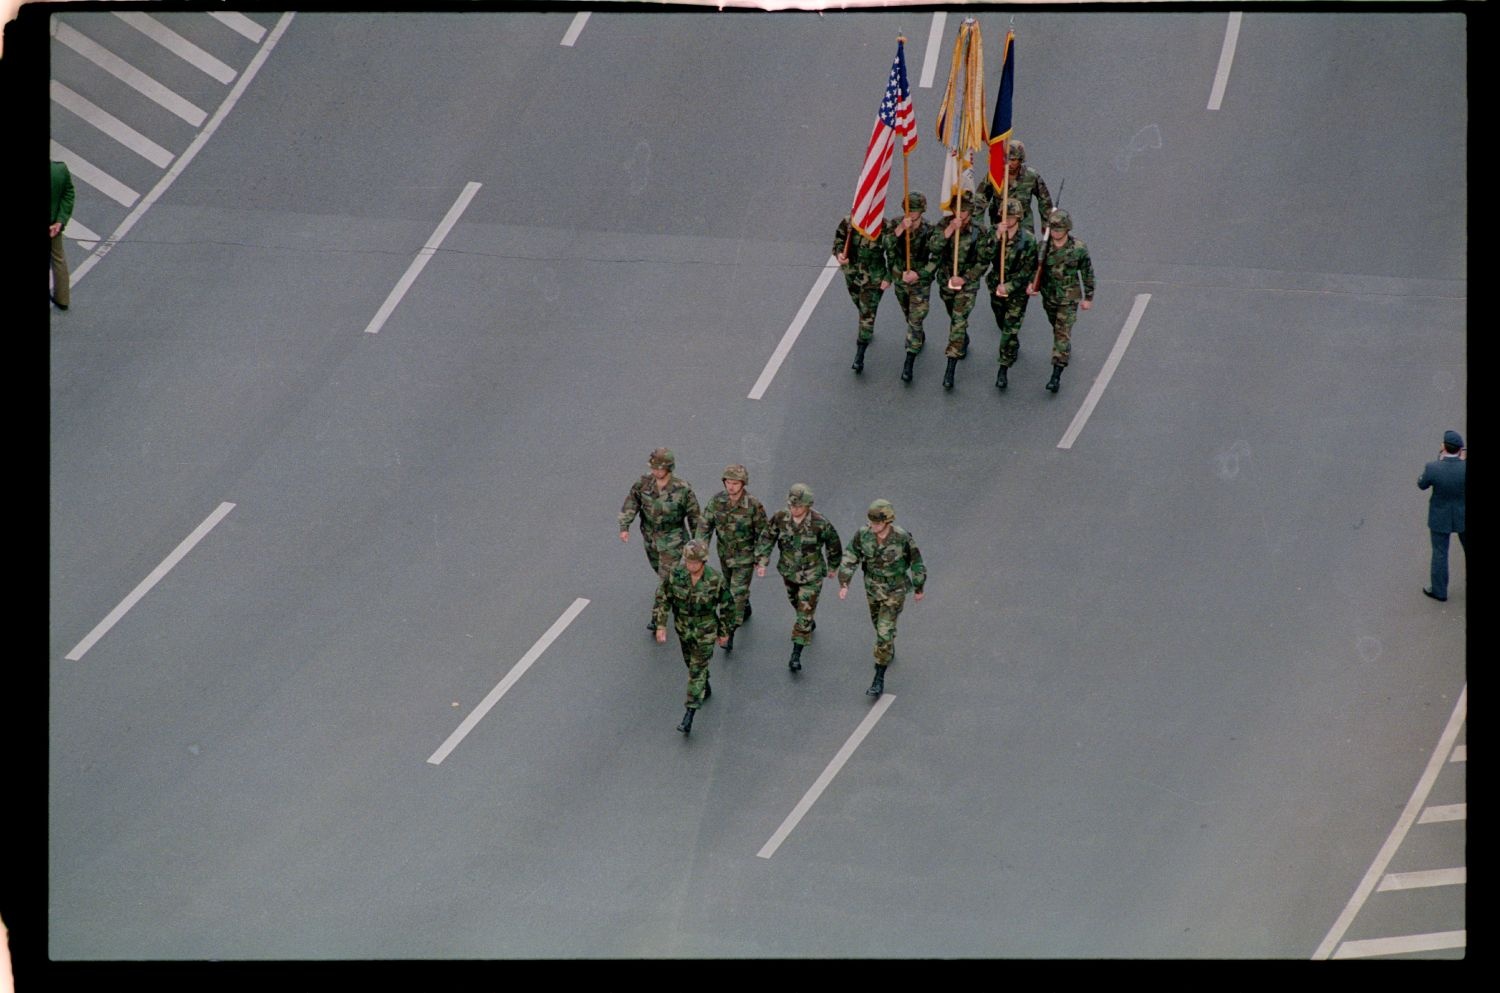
1041,259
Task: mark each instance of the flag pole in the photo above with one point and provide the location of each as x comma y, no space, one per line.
905,185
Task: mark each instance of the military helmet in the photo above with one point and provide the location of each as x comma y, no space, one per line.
736,471
1013,208
697,550
881,510
801,495
1060,220
1016,152
663,458
916,201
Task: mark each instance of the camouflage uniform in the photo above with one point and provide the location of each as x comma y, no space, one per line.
700,612
1062,272
1024,187
915,298
809,551
863,274
976,247
668,517
739,526
886,565
1010,310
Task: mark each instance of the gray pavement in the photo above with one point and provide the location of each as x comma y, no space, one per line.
1167,693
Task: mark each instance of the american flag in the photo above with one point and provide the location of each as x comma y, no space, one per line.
896,116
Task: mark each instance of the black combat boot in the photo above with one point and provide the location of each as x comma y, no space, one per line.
795,662
687,722
747,613
906,369
878,686
1056,378
708,688
859,356
948,376
1000,379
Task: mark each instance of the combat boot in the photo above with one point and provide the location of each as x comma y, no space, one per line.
747,613
911,357
948,376
859,356
729,645
878,686
1052,383
795,662
687,722
1000,379
708,688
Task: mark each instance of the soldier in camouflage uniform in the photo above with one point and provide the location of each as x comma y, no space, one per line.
914,285
1008,300
975,249
810,550
887,554
1024,184
1066,265
699,600
738,519
867,276
669,513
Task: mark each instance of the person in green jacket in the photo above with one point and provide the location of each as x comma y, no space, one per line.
62,212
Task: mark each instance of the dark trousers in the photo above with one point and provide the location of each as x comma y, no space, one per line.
1440,560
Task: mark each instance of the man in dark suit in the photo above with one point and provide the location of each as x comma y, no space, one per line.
1445,511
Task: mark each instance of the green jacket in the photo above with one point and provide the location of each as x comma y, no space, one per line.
62,194
738,526
701,611
886,565
809,551
867,261
1064,269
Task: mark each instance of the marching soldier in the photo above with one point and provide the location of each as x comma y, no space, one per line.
866,275
738,519
810,550
669,513
914,283
1065,264
1008,299
1024,184
887,554
959,289
699,600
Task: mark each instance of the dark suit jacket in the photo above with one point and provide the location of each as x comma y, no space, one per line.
1445,511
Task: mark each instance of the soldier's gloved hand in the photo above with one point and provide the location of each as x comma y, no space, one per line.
724,641
832,573
1085,304
760,570
908,277
955,282
918,596
624,535
843,592
1000,291
1032,291
885,284
661,635
843,259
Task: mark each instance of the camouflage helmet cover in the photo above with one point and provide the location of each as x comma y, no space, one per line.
736,471
881,510
916,201
696,550
663,458
1060,220
801,495
1013,208
1016,152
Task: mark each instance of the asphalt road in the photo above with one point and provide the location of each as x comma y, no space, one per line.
1169,687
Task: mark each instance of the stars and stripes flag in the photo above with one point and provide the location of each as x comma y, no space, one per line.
895,117
1002,127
